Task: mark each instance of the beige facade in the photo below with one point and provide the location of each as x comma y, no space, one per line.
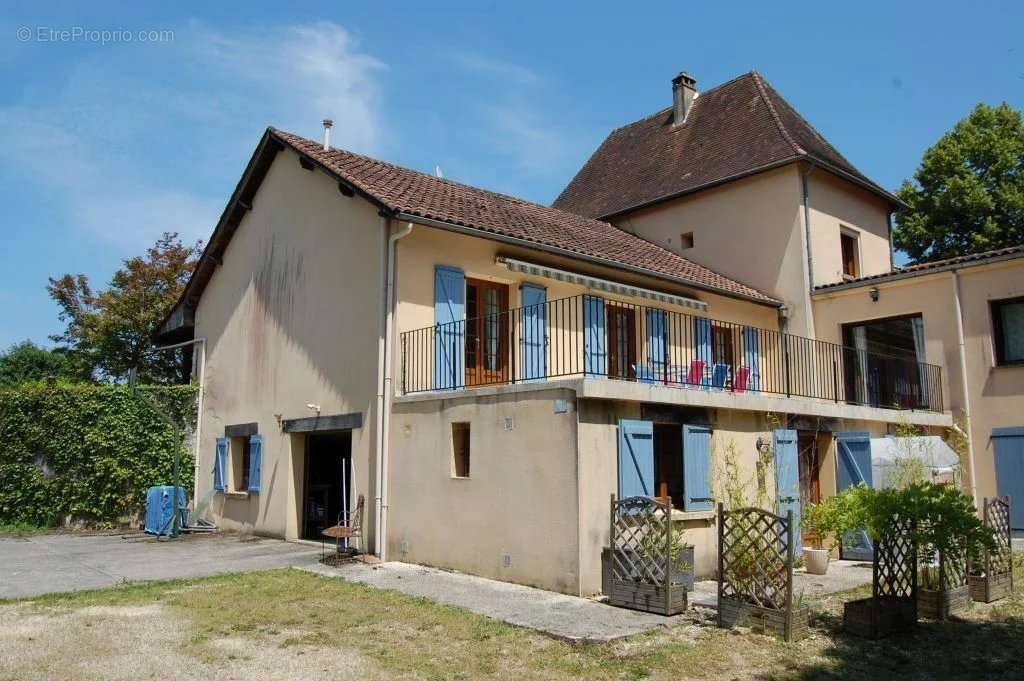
756,230
291,318
993,392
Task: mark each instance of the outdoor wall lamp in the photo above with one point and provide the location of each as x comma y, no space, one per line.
763,445
873,292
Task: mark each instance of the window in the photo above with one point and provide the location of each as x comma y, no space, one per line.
686,240
884,362
241,450
1008,330
848,243
460,450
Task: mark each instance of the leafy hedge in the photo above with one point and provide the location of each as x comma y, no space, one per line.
89,452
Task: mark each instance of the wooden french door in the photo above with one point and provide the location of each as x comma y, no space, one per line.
621,342
486,332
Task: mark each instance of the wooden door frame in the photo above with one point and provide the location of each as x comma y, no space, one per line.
613,311
477,374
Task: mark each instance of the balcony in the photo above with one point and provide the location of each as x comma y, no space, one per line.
590,337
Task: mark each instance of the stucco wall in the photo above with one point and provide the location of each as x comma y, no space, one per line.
598,443
519,501
996,393
835,204
291,318
750,230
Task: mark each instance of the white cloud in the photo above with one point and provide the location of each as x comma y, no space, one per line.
311,72
134,144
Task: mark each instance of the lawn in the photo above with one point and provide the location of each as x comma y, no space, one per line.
293,624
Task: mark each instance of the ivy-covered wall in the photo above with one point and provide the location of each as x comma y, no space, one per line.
89,452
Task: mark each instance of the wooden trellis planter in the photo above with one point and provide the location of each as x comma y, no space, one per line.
755,573
641,572
953,594
992,578
893,602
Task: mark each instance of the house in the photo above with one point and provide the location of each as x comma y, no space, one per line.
487,371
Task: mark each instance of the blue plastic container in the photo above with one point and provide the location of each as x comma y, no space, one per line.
159,509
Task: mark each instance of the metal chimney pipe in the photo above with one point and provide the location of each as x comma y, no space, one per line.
327,133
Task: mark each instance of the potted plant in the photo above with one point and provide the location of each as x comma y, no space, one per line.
948,531
832,519
680,555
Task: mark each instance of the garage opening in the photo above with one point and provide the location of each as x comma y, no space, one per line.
328,484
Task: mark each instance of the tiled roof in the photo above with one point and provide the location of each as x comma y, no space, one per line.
928,267
401,190
732,130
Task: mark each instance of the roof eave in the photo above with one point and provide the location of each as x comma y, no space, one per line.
897,276
798,158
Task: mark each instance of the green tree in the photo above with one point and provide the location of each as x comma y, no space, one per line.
110,331
26,362
968,194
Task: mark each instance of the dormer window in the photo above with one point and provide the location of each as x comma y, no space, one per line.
848,242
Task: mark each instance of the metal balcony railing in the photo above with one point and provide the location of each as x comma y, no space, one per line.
590,336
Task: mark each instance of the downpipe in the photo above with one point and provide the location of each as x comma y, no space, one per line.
963,383
385,384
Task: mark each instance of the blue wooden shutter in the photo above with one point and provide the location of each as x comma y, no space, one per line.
636,458
220,464
535,356
752,357
697,468
255,462
595,342
702,343
449,328
1009,454
787,480
657,331
854,451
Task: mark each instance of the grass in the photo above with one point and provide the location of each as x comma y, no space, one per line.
287,617
22,529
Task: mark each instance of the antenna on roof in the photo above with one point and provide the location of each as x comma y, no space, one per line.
327,133
437,171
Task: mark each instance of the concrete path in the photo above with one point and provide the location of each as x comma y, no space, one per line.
842,575
30,566
565,617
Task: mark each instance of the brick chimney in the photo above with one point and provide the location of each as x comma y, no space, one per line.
684,91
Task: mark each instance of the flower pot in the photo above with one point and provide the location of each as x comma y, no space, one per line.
816,561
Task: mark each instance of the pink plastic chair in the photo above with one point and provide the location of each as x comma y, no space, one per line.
696,375
742,378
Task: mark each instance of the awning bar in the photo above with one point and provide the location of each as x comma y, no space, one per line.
599,284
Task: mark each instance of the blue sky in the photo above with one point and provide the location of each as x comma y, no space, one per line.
105,146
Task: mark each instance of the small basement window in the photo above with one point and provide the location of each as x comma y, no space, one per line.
848,244
686,240
460,450
239,458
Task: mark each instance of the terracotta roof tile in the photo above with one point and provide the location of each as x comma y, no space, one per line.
928,267
402,190
732,130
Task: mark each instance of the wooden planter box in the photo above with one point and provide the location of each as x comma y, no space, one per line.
879,617
986,589
792,625
648,597
939,605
